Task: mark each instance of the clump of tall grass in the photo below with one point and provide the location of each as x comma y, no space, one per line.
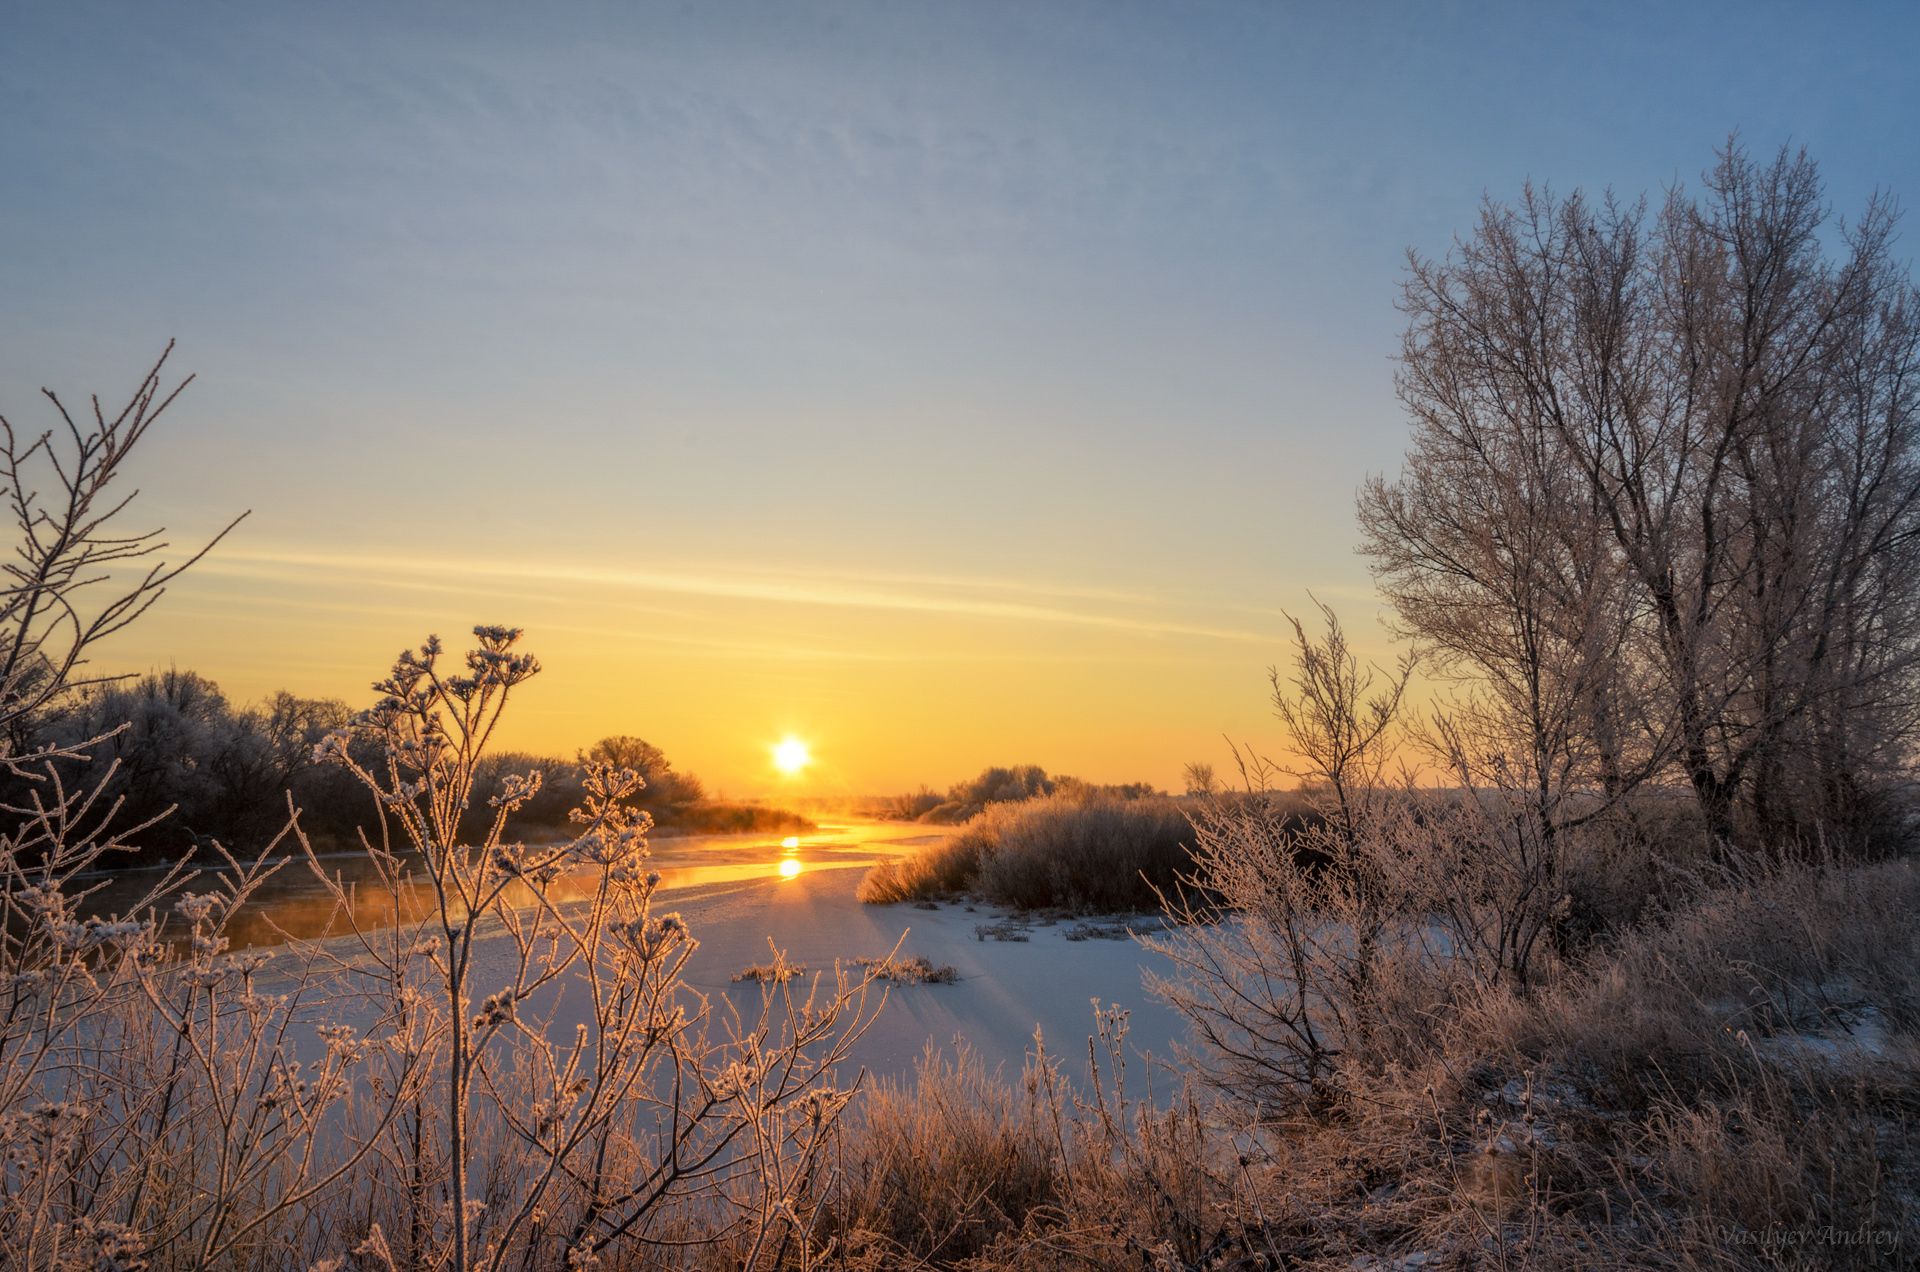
1731,1086
940,870
1080,849
1088,852
942,1165
963,1167
916,969
1739,975
775,971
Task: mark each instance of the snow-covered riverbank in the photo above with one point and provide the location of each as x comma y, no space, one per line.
1006,987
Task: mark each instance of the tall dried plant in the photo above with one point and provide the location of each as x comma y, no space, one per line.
583,1099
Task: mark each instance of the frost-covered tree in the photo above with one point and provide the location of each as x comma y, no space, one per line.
77,574
1663,496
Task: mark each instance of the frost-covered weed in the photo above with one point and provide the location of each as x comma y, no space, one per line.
505,1079
579,1090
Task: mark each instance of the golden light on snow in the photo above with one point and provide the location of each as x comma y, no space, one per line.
791,755
790,867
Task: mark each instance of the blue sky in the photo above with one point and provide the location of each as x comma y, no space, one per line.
1080,306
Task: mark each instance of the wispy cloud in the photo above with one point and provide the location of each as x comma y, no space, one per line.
959,596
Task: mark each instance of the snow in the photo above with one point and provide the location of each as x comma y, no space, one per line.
1006,988
732,898
1862,1038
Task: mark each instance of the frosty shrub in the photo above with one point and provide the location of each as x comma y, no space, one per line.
1082,849
1309,948
1291,935
1290,946
583,1103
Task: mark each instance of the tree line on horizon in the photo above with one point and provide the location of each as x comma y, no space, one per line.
175,743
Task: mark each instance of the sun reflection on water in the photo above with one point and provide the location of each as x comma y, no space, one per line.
292,905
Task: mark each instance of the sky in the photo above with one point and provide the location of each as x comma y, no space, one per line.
943,384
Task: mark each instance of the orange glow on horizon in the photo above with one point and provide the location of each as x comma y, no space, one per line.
902,696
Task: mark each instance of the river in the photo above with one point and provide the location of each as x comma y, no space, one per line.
292,904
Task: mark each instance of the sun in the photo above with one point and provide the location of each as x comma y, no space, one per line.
791,755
